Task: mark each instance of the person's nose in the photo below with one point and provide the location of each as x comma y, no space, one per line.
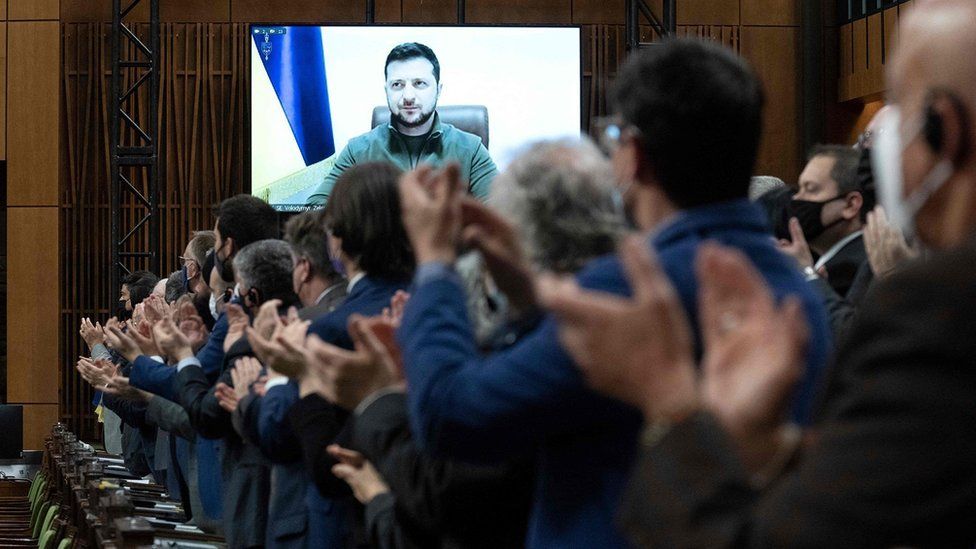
408,94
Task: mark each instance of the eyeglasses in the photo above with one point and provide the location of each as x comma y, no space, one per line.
186,260
610,131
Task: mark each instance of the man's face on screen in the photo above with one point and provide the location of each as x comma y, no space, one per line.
411,92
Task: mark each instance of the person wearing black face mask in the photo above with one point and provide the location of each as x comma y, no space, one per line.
826,216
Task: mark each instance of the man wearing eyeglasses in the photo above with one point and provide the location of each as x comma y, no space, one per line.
193,258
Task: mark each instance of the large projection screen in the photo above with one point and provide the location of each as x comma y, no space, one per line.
314,88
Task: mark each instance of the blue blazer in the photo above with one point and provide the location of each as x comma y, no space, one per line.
328,522
532,398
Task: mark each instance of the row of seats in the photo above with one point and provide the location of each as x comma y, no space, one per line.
83,498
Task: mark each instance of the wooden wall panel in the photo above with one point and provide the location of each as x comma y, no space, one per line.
890,32
3,10
211,11
708,12
32,10
33,58
3,91
774,54
727,35
603,12
298,11
771,12
429,11
520,11
38,420
388,11
32,304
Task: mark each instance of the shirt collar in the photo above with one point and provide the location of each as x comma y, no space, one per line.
327,291
836,248
354,280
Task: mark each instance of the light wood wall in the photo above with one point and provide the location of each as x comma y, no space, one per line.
55,205
865,46
30,137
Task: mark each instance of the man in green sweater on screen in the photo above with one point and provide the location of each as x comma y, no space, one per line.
415,134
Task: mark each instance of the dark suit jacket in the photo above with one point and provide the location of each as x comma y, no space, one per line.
841,309
893,460
843,267
532,397
441,503
334,297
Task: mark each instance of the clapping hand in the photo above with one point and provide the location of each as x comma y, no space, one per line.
359,474
344,377
121,343
91,333
797,247
284,352
754,350
885,244
431,210
394,313
171,340
499,244
237,322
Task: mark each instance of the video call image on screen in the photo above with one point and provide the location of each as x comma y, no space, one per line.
315,90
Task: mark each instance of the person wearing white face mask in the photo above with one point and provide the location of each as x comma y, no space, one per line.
891,462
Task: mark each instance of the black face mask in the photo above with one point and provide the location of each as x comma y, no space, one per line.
224,267
121,313
809,214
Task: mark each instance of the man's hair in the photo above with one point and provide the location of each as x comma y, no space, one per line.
845,172
364,211
246,219
175,287
140,285
200,242
698,108
560,196
308,238
266,266
412,50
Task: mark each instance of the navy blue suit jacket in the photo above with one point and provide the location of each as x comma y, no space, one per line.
531,397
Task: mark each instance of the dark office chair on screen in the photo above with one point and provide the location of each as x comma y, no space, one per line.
468,118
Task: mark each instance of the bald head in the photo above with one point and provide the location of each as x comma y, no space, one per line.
936,43
932,79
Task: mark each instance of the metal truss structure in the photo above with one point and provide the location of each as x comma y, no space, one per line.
134,143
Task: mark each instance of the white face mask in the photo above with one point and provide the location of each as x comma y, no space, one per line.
213,306
886,161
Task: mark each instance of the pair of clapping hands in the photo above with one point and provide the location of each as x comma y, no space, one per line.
343,377
174,332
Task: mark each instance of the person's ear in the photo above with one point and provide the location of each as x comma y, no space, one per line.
440,88
853,203
192,269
